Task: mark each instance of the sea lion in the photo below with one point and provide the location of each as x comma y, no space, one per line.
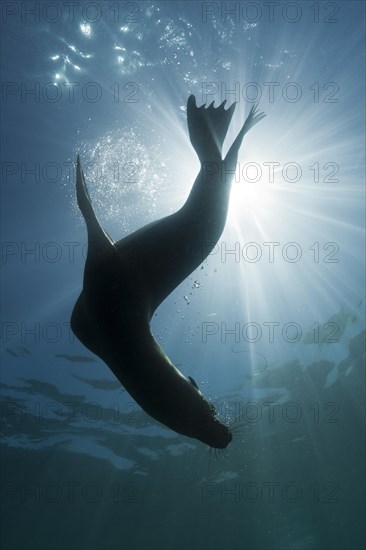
127,280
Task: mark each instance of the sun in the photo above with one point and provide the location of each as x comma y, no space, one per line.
250,196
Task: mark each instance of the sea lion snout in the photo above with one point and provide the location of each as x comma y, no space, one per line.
212,431
220,436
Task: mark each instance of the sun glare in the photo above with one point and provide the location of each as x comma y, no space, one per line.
249,197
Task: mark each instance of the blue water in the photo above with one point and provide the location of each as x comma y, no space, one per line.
271,325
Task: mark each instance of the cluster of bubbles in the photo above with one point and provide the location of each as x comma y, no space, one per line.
125,174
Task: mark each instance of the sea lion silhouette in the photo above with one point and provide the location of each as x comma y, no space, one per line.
127,280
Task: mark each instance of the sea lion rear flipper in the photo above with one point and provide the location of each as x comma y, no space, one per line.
208,128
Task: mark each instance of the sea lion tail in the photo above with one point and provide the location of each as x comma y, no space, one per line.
208,127
96,234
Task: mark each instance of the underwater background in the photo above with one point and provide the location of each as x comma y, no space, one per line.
271,325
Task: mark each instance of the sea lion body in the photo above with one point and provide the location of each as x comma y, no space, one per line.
125,281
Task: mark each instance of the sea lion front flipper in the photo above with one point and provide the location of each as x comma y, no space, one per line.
252,119
208,127
96,235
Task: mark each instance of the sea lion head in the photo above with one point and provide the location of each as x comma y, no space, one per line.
204,423
212,431
191,414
